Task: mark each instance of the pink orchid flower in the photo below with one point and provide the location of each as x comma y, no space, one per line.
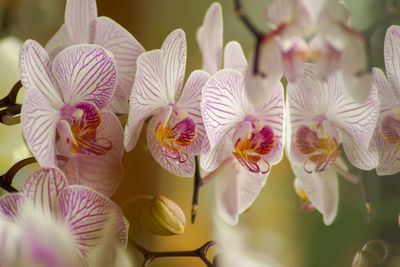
82,26
387,133
335,46
49,223
62,113
176,131
245,140
321,118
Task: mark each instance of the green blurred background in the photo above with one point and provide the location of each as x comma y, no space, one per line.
275,223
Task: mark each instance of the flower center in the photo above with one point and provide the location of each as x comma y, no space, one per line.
173,132
251,144
319,146
390,130
83,120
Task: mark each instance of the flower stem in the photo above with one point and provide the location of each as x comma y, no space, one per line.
364,192
11,98
7,178
149,256
196,188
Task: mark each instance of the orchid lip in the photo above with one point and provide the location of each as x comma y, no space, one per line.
251,144
175,131
321,151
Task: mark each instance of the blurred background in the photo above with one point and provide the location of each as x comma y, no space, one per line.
275,225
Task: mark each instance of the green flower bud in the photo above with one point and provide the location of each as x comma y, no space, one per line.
364,259
162,216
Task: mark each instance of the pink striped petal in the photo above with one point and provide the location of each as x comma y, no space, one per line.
222,104
190,103
86,212
322,189
100,172
11,206
60,40
234,57
272,113
392,57
210,159
35,69
387,153
148,94
125,49
39,124
80,19
173,63
209,38
43,187
85,73
236,189
185,169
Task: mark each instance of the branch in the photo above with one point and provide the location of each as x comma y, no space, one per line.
7,115
259,35
364,193
11,98
196,188
7,178
149,256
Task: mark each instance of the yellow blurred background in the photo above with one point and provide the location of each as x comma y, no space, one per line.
275,223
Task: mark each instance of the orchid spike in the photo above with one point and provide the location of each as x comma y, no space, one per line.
321,118
62,113
387,134
82,26
176,131
244,140
50,223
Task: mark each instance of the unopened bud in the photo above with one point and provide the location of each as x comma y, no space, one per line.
162,216
364,259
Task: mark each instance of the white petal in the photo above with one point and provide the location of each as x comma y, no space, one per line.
209,38
80,19
125,49
85,73
222,104
234,57
392,57
39,124
173,63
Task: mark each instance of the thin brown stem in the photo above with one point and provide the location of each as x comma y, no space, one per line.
11,98
7,178
364,193
259,35
7,115
196,188
149,256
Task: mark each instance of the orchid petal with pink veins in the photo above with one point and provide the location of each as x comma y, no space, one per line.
80,18
35,69
85,212
392,58
10,207
234,57
272,113
125,49
43,187
312,101
211,159
148,94
209,38
173,63
388,153
222,104
59,41
86,73
100,172
236,189
322,190
39,125
171,158
189,102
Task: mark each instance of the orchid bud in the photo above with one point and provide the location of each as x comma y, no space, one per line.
364,259
162,216
374,253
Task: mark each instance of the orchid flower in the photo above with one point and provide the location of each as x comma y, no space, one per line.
245,140
335,46
387,132
82,26
61,113
321,118
49,223
176,131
